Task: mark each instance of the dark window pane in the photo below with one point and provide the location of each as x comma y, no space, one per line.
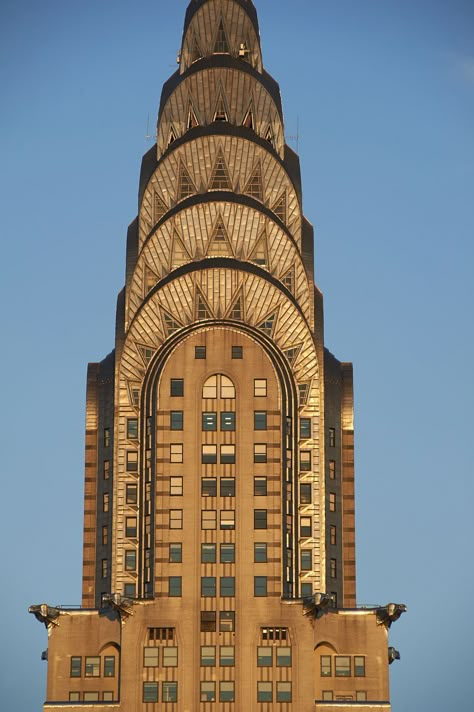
260,586
176,420
150,692
209,487
227,586
305,428
209,421
227,454
174,586
237,351
228,420
132,428
259,486
305,493
260,552
227,487
177,387
199,352
131,494
76,665
227,621
176,553
227,553
260,518
208,586
208,553
209,454
208,621
260,420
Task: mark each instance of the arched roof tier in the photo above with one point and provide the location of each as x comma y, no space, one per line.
201,292
219,228
213,24
191,169
221,89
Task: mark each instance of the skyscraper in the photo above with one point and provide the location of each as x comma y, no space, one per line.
219,531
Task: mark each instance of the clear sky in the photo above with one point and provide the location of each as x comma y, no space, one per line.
384,94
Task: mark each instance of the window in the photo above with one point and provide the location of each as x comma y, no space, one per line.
306,560
227,454
305,428
306,590
175,553
237,351
264,656
174,586
209,487
109,666
228,420
361,696
260,387
260,420
132,461
227,656
74,696
170,656
332,535
328,695
264,692
105,502
209,519
226,691
161,634
274,633
260,553
332,469
199,352
131,526
208,691
176,519
176,420
227,552
227,487
227,586
342,666
209,389
228,519
176,486
150,692
208,655
359,666
176,452
259,518
305,460
325,666
227,388
208,553
150,657
76,665
108,696
283,691
129,590
283,656
260,452
130,560
131,494
91,696
177,387
227,621
208,621
209,454
333,568
209,421
92,667
259,585
132,428
208,586
106,437
259,486
332,437
106,469
305,526
305,493
169,692
332,502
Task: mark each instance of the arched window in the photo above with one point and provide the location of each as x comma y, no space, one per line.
218,384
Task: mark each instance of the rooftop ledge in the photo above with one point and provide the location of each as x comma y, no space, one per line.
337,705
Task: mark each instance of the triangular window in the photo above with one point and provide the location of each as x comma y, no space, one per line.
172,136
220,179
268,324
292,354
219,243
280,208
170,324
254,186
248,120
269,136
195,50
303,390
159,208
192,118
151,278
179,253
259,254
202,309
236,310
146,352
220,113
221,45
186,186
288,280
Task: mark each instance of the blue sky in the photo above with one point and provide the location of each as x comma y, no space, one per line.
383,91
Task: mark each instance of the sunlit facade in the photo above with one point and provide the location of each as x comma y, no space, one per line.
219,530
